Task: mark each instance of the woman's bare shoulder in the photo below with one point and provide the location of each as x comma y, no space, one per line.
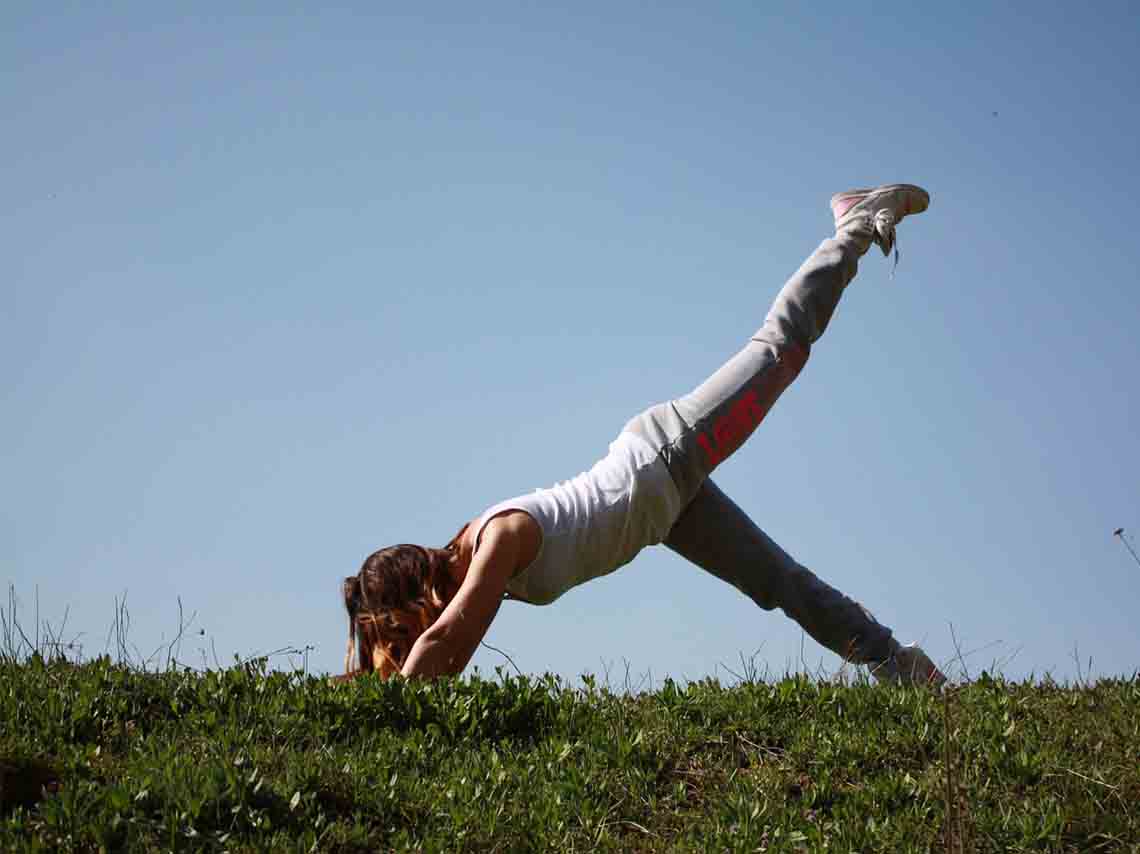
518,530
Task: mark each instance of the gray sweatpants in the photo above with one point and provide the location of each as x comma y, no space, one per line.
697,432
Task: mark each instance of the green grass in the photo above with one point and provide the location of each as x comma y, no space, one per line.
248,760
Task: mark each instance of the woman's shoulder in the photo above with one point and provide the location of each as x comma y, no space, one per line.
512,523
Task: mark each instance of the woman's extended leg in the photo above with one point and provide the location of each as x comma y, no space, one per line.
716,535
697,432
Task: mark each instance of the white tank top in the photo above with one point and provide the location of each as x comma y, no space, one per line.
595,522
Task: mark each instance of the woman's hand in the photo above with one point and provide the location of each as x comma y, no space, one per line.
345,677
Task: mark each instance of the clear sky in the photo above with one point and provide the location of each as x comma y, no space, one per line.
281,288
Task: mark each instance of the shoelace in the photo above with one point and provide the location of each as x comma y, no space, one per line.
885,227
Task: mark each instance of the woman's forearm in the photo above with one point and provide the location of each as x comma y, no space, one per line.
433,656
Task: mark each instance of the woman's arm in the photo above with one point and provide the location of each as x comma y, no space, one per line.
446,647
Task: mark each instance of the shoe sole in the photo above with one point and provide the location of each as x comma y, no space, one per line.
888,188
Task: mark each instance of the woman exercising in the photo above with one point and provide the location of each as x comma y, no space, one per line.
423,611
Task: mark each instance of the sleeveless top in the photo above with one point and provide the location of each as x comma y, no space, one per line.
595,522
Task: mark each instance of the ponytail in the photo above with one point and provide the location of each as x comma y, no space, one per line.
351,591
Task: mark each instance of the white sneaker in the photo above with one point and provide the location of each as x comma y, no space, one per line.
909,665
880,208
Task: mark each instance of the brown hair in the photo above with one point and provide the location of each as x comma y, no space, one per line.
399,592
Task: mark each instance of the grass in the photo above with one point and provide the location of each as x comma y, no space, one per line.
102,756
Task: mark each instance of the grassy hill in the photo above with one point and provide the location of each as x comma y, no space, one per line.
101,756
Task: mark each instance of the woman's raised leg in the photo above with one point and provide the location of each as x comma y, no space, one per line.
696,433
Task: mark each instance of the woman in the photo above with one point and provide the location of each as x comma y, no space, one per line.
423,611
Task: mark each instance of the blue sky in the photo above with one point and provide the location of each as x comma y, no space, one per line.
281,288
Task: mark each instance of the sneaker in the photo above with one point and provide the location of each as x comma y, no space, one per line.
909,665
881,208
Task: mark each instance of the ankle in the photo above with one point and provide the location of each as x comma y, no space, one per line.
857,235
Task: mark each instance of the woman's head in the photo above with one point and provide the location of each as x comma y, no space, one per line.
398,593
